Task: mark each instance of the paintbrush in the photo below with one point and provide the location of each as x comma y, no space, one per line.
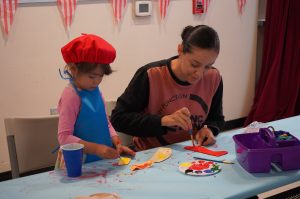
219,161
192,138
118,144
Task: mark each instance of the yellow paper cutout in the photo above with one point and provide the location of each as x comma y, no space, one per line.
124,161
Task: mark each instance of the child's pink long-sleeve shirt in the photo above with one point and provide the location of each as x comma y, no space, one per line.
68,109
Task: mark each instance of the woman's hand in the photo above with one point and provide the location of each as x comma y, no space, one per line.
180,118
205,137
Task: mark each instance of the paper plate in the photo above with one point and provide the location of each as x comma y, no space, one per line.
199,168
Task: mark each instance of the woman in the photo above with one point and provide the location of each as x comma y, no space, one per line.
167,99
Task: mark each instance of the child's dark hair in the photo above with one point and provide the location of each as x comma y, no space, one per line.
86,67
201,36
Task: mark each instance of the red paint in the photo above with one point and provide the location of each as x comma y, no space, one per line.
103,173
201,149
86,175
200,165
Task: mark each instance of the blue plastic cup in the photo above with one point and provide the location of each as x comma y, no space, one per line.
73,154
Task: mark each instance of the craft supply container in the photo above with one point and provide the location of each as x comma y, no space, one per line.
256,152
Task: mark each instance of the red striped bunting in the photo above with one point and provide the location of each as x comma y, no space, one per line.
67,9
242,4
118,9
163,7
8,9
206,4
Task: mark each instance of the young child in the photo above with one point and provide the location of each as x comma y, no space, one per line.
82,114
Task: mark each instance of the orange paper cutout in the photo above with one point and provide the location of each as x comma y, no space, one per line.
143,165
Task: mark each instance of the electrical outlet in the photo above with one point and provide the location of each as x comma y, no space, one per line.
53,111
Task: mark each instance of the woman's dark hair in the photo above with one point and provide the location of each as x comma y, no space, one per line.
200,36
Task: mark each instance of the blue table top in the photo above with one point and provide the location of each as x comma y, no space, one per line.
162,180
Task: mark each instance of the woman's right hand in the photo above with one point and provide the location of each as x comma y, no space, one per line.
106,152
138,144
180,118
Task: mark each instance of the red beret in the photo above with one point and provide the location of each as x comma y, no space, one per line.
88,48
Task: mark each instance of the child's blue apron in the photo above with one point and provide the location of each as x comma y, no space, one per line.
91,123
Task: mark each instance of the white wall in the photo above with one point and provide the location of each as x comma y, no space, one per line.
30,57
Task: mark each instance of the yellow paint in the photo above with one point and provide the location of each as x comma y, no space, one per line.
161,154
124,161
185,164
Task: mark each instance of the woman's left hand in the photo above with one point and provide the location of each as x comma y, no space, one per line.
205,137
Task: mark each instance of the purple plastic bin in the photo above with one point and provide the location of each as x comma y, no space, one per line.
256,151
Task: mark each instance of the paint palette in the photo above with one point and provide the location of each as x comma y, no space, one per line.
199,168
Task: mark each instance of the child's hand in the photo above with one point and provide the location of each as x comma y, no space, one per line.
124,149
106,152
121,148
